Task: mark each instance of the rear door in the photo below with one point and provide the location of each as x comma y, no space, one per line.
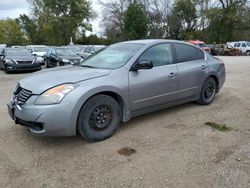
156,86
192,70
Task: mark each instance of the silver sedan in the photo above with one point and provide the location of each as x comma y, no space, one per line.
123,81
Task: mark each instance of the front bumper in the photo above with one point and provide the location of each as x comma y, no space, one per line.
24,67
49,120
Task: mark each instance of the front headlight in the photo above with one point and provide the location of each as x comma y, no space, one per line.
9,62
54,95
65,60
39,60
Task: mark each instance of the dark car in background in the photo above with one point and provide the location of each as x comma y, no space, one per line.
60,56
18,59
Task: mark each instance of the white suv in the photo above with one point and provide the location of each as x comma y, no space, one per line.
243,46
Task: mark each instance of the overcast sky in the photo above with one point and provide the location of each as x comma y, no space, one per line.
13,8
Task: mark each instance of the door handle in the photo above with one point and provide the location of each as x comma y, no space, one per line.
203,67
172,75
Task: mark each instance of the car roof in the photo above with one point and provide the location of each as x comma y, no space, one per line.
145,41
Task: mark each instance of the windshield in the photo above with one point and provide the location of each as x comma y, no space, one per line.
17,52
75,48
65,52
40,49
113,57
98,48
248,44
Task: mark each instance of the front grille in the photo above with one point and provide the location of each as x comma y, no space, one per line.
22,95
24,62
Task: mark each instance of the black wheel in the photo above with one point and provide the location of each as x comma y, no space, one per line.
208,92
248,53
46,62
99,118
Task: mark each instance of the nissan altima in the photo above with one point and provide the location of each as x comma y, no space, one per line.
18,59
123,81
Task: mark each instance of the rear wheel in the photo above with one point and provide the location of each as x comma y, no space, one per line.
99,118
208,92
248,53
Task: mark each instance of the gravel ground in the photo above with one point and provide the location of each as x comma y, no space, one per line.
169,148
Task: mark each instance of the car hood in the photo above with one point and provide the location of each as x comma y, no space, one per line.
40,81
69,57
39,53
21,58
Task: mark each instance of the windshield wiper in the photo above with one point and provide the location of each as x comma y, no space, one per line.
88,66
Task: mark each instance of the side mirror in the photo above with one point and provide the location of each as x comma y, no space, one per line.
142,65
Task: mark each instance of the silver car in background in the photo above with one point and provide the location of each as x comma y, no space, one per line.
123,81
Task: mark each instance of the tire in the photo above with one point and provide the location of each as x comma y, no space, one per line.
99,118
46,62
248,53
208,91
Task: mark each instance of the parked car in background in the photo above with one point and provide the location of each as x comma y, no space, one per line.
89,50
2,46
118,83
18,59
76,48
200,44
243,46
39,51
224,49
60,56
17,46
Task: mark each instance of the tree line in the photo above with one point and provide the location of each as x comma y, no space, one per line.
54,22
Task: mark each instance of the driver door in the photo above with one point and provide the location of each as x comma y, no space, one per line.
156,86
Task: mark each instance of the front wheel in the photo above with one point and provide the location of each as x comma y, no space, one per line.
208,92
248,53
47,64
99,118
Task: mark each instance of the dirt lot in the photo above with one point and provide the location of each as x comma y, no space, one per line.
172,148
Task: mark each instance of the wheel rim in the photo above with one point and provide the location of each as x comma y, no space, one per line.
209,91
100,117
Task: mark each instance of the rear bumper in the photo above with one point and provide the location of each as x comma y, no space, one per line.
222,74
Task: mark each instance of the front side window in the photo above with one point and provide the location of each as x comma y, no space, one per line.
187,53
159,55
238,44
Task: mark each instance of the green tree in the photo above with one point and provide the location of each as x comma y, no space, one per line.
10,33
183,20
54,22
135,22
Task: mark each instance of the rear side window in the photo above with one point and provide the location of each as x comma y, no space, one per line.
187,53
243,45
238,44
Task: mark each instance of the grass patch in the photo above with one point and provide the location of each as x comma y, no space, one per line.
220,127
